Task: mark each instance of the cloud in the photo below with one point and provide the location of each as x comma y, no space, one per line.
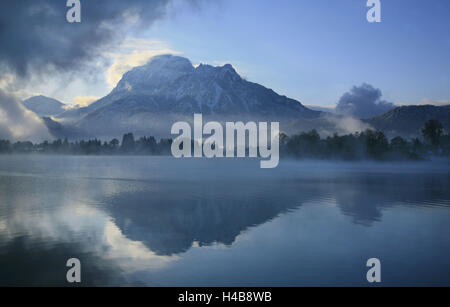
10,84
134,52
343,124
39,46
35,35
17,123
363,102
426,101
84,101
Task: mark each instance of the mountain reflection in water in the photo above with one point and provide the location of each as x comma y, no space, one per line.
160,221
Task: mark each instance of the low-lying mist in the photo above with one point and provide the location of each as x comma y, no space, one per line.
18,123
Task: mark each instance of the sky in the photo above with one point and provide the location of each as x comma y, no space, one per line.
310,50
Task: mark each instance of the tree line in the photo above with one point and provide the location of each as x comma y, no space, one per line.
369,144
143,145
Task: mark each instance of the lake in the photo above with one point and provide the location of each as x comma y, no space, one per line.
159,221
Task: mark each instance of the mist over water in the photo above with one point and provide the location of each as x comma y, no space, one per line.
188,222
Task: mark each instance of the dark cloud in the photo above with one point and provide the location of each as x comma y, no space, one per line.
37,40
363,102
35,35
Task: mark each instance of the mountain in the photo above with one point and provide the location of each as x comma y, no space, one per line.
44,106
331,110
408,121
150,98
60,131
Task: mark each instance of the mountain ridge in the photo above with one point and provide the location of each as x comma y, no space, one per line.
170,88
44,106
206,89
408,121
150,98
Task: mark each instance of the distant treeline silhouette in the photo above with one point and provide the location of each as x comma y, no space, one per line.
144,146
369,144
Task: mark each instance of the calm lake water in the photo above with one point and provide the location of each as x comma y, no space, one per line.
158,221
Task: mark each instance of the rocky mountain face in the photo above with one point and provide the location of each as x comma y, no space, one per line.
150,98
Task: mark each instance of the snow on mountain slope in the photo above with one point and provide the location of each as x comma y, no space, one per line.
151,97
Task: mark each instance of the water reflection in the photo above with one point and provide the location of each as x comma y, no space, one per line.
169,220
122,219
33,262
364,197
171,217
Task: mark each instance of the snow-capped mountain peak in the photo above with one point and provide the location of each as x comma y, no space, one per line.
169,87
159,71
